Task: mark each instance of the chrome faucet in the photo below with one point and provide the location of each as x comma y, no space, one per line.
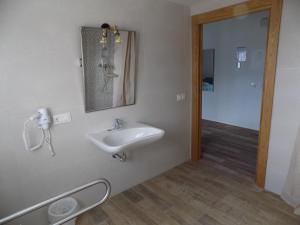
118,123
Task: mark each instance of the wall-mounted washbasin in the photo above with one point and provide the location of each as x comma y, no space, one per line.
114,141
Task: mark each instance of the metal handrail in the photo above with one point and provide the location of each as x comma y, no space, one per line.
58,197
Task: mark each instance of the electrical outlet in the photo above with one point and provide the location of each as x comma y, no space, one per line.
62,118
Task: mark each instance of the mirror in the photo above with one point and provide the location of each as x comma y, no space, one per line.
208,70
109,69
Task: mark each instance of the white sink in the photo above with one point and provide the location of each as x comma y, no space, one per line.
125,138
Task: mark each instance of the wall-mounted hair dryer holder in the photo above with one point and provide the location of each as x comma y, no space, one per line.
44,118
43,121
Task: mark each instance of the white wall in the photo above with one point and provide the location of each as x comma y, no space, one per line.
234,100
207,5
286,109
39,52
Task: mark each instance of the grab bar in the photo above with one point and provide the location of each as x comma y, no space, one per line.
51,200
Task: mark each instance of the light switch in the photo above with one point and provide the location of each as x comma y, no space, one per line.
183,96
180,97
62,118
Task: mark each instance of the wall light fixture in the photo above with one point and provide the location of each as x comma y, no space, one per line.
241,55
106,29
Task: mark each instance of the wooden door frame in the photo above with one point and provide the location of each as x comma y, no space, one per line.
275,8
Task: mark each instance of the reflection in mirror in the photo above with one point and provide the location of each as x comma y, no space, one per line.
208,70
109,69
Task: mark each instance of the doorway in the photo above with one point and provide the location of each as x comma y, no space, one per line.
274,8
233,67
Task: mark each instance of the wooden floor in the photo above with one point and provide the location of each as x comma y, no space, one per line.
231,146
202,193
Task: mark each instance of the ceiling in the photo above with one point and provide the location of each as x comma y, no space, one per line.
186,2
214,2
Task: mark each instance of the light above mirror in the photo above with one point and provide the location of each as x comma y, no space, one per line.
106,29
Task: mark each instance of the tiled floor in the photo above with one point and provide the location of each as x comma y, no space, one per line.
202,193
230,146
